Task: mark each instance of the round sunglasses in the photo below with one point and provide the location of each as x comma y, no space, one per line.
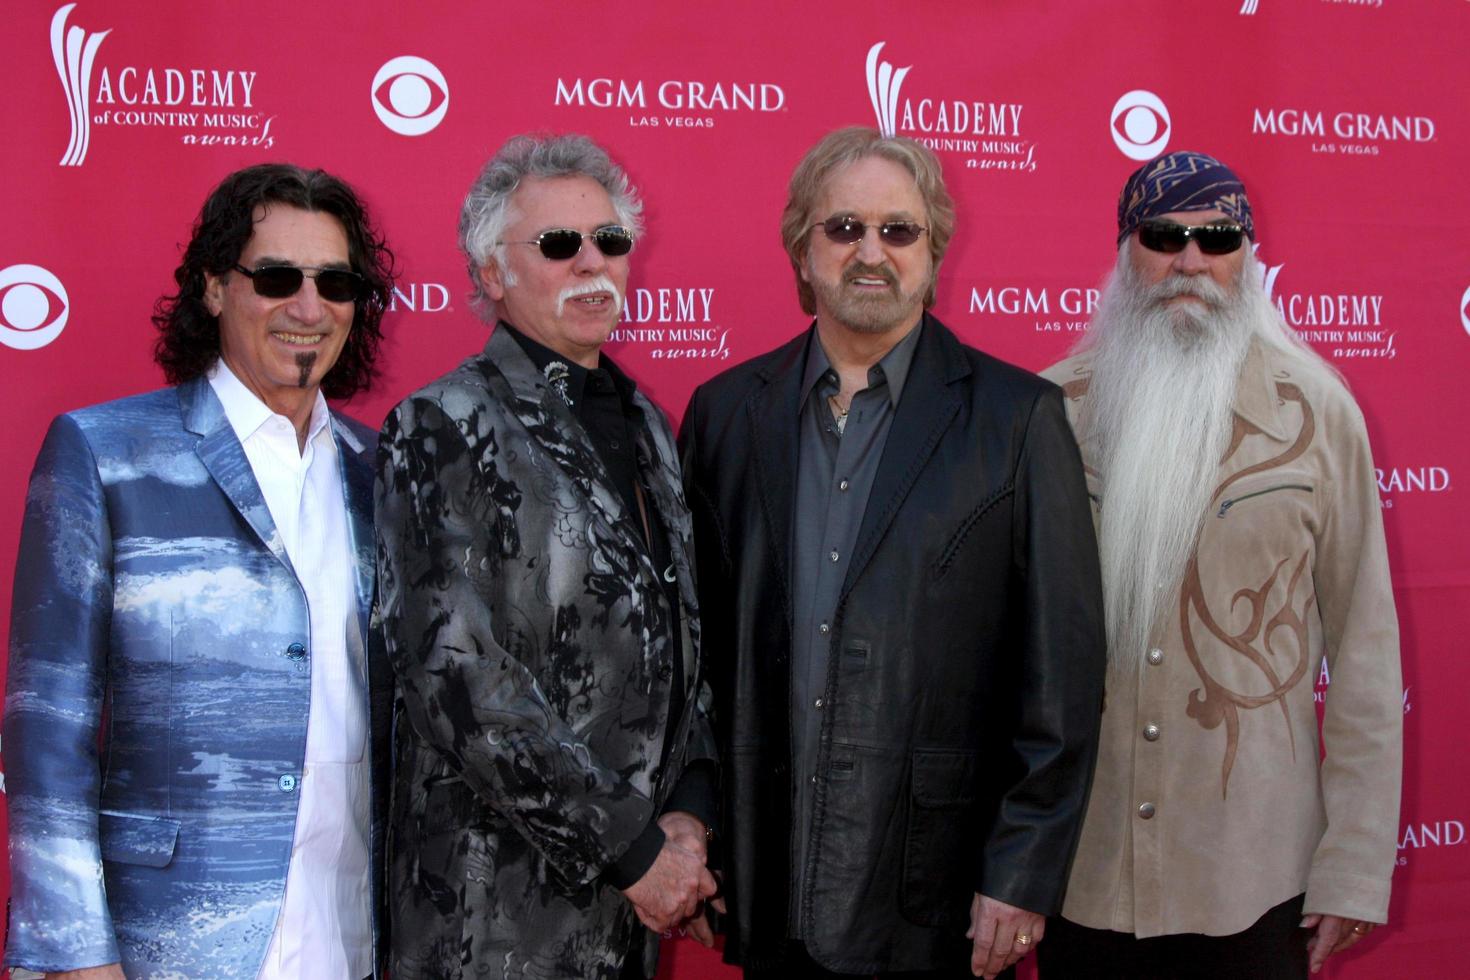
844,229
560,244
282,281
1158,235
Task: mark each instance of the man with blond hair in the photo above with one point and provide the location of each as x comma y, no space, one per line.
900,596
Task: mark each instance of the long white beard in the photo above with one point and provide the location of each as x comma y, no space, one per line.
1157,421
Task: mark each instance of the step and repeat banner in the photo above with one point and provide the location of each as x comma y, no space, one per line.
1346,119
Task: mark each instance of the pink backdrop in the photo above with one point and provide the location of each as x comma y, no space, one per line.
1346,119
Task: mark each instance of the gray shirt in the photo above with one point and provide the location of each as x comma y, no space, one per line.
835,473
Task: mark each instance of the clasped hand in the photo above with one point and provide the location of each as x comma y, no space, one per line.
671,892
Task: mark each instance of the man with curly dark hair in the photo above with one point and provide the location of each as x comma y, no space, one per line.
194,584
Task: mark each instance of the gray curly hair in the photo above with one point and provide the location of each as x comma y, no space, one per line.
487,211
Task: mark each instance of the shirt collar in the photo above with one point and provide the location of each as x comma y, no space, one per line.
247,413
540,355
892,368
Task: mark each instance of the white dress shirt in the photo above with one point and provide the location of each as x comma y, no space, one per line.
324,928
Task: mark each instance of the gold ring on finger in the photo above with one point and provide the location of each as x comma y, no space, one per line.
1022,939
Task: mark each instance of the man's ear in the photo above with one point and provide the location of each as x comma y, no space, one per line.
493,280
214,293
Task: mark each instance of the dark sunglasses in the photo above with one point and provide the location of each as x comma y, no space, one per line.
1170,236
844,229
560,244
281,281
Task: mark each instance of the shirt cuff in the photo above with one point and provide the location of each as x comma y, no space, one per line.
697,792
637,859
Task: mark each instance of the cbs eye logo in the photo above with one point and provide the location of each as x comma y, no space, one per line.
410,95
1140,125
1465,311
33,307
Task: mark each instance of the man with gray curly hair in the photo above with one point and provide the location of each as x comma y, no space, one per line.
555,779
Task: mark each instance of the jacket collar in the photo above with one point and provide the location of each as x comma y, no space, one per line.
1256,400
551,423
220,451
929,405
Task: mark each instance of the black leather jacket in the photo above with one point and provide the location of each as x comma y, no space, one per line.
964,684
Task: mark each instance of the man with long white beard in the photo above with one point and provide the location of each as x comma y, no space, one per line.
1243,557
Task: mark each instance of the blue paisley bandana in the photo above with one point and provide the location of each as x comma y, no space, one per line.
1182,181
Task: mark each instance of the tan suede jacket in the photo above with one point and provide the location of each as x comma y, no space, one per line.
1213,800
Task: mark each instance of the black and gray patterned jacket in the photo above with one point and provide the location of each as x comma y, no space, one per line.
531,639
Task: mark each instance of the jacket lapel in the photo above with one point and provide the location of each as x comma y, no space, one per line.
925,411
223,456
658,467
774,417
549,420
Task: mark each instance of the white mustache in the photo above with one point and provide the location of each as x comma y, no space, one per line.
598,284
1201,287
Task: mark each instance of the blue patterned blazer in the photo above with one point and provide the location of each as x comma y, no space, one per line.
155,604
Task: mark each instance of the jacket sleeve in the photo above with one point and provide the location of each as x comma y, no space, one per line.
1060,671
1362,723
441,548
62,613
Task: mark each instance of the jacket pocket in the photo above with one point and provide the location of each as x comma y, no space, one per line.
939,848
1247,493
132,838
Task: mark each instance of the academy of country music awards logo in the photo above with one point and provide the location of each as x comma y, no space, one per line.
673,323
211,106
1249,7
987,135
675,103
33,307
1340,326
202,106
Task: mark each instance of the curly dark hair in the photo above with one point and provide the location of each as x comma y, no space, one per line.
188,343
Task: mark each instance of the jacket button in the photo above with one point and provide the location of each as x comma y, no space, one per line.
1156,657
818,703
296,652
1146,811
1151,733
287,783
824,629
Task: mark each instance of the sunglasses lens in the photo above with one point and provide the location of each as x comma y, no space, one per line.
844,229
277,281
900,233
1162,237
613,240
1218,239
338,285
560,244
